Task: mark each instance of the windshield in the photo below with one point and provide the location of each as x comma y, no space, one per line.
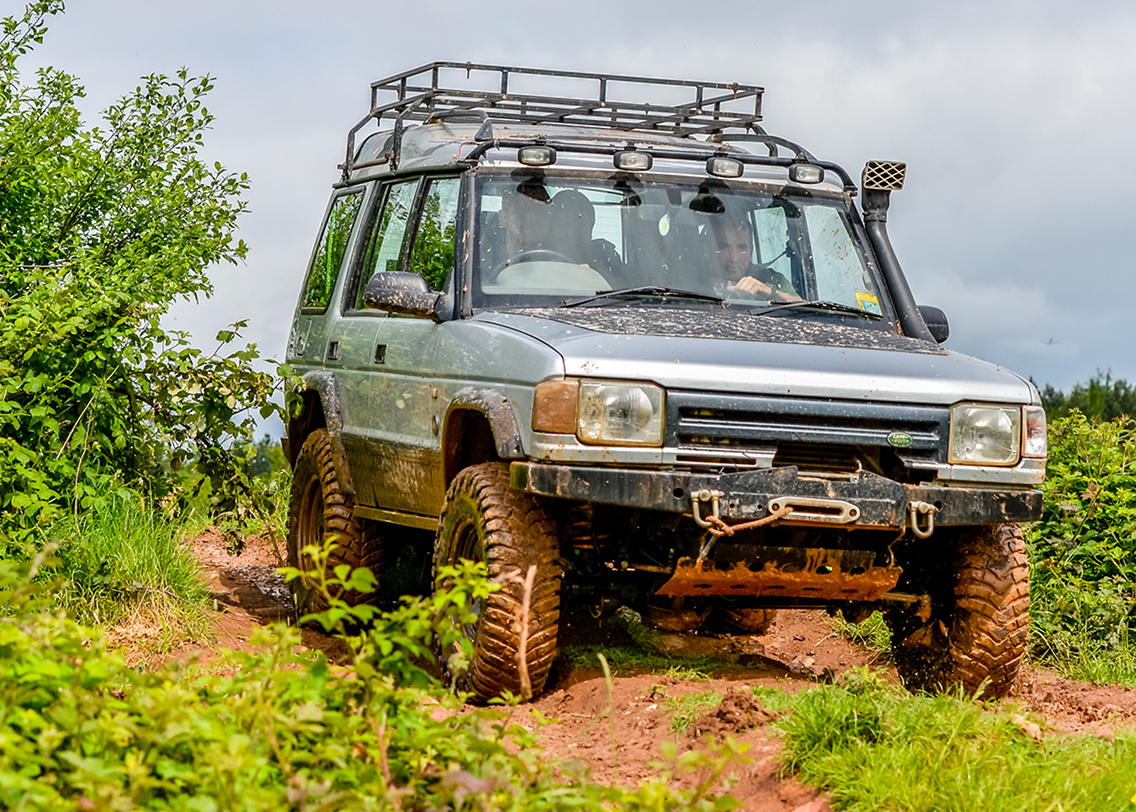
547,241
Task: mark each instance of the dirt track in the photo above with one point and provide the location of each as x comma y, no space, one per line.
796,652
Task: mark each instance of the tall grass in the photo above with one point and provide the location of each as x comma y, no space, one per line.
125,565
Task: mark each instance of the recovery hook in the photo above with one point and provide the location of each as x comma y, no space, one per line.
714,524
917,509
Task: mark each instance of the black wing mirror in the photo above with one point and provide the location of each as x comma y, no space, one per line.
403,292
936,321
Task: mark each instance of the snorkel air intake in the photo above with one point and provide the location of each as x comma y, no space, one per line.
879,180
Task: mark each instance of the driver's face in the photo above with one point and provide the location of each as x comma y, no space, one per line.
735,249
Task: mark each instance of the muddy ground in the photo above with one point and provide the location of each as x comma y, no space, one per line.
798,651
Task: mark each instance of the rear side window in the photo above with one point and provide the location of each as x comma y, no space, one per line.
329,251
384,244
433,254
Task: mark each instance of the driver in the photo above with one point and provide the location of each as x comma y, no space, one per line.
574,218
734,250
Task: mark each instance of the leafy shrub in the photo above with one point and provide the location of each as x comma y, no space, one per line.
278,729
101,230
1083,551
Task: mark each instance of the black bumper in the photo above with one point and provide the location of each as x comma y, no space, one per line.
879,502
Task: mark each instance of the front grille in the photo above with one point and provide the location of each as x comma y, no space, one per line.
815,435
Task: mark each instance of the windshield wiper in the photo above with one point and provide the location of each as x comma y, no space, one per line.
648,291
818,304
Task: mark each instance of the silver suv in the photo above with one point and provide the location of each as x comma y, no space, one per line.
627,348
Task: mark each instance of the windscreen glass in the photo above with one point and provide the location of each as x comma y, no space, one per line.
542,241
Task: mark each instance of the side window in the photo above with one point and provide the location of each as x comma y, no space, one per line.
329,251
433,254
384,244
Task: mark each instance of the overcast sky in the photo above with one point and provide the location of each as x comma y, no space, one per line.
1016,121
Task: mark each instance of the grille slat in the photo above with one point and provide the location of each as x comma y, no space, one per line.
817,435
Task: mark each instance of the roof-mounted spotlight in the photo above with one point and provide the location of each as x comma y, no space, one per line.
806,173
631,160
536,156
721,167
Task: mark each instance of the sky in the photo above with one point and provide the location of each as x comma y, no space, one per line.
1015,119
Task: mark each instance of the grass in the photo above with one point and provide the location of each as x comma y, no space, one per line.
125,566
872,633
685,710
872,746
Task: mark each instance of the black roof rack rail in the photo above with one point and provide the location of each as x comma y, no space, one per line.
427,93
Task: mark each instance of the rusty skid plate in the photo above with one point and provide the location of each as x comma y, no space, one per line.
790,572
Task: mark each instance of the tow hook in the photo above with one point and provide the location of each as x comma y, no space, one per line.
928,511
705,495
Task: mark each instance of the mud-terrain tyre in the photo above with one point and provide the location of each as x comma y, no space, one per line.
746,621
484,519
978,631
319,508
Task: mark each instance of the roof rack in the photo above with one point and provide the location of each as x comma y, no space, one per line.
433,91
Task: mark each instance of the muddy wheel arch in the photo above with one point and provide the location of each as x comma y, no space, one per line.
323,409
480,426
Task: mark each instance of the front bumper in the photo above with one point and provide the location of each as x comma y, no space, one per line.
876,502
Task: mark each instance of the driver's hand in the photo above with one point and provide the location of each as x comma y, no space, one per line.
754,287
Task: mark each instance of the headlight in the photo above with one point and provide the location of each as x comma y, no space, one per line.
985,435
620,414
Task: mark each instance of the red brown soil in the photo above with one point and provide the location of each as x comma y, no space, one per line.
798,651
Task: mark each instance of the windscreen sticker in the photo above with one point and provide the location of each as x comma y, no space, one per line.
868,303
665,224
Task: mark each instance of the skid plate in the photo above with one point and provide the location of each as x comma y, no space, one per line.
790,572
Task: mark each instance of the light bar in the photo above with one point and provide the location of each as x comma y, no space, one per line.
806,173
725,167
631,160
536,156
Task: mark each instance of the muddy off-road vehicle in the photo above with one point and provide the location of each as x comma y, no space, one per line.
606,333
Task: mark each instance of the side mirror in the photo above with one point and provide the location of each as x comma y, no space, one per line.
936,321
402,292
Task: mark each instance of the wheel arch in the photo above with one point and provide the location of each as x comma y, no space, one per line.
322,409
480,426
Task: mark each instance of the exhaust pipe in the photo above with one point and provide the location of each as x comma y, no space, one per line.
879,180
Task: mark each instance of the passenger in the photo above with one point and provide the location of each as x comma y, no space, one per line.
734,249
574,219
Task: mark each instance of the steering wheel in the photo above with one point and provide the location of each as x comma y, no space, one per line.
535,255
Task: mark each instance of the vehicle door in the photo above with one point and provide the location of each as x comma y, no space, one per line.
405,397
358,351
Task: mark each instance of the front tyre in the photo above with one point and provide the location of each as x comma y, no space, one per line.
319,509
978,631
484,519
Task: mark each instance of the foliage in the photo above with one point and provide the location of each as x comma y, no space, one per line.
872,746
125,564
1100,397
1083,551
276,729
101,229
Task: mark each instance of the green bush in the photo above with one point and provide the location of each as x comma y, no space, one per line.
101,230
277,729
1083,551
